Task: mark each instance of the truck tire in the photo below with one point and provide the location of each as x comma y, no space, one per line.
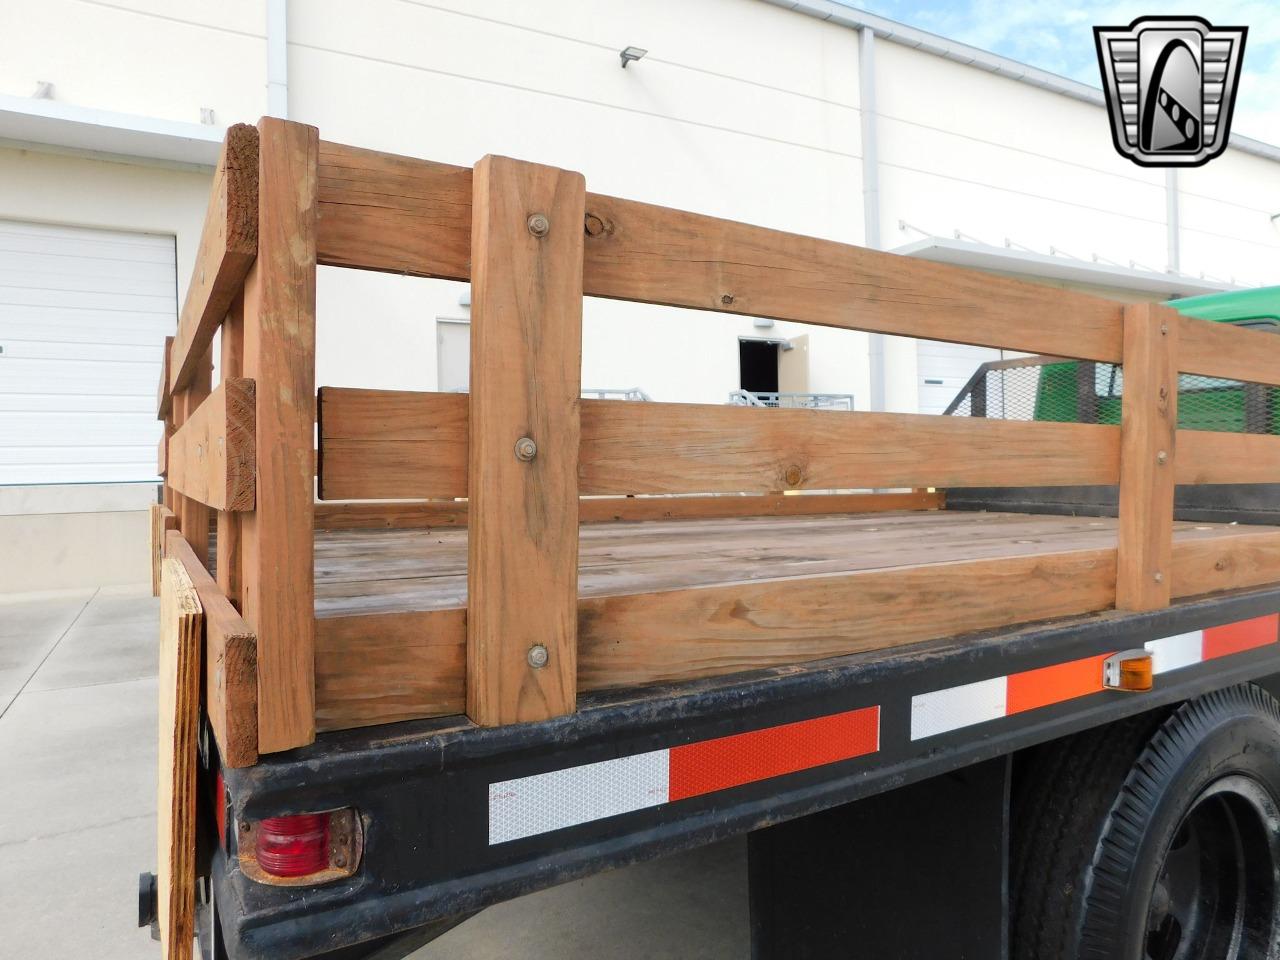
1154,838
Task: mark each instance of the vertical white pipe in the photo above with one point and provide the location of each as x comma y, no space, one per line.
1172,226
871,195
277,59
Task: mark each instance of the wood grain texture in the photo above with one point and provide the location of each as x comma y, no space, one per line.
179,685
389,668
164,398
231,663
453,513
193,516
279,353
1224,350
162,521
212,455
1205,456
397,214
396,444
526,361
1149,421
1247,559
228,564
228,245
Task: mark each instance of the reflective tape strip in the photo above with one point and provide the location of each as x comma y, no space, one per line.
527,806
941,711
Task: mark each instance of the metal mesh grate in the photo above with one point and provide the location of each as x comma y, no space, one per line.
1050,390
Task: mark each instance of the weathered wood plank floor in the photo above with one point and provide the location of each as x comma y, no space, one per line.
385,571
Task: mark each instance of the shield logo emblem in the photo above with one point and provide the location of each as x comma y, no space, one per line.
1170,84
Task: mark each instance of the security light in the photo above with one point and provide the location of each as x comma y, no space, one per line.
630,53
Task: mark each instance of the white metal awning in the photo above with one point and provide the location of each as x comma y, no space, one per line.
981,256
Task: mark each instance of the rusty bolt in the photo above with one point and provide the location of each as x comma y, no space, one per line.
593,225
539,225
793,475
538,656
526,449
727,299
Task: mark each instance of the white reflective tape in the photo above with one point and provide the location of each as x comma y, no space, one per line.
565,798
956,707
1173,653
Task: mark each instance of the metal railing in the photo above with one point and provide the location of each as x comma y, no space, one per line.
805,401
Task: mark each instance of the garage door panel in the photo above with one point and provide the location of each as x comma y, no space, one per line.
69,428
83,316
55,376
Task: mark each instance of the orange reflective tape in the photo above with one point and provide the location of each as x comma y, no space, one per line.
1245,635
1062,681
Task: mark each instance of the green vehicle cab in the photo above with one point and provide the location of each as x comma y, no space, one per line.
1204,403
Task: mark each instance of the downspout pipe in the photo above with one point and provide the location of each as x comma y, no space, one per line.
871,195
1173,226
278,59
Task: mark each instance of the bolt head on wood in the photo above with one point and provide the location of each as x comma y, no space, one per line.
539,225
526,449
538,656
1158,577
1162,457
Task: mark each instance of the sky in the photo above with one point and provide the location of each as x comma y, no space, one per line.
1057,35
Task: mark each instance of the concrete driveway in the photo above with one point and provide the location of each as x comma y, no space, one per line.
78,800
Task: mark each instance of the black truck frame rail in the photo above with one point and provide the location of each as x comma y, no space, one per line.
442,841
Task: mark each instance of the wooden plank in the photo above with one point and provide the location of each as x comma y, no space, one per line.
162,521
389,444
401,445
390,668
1248,559
228,246
228,565
401,215
231,663
193,516
1149,421
526,349
164,398
179,684
1224,350
212,455
683,634
162,455
453,513
279,353
1205,456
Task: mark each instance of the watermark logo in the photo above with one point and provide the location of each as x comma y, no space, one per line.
1170,84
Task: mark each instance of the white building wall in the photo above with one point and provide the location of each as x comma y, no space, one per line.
741,109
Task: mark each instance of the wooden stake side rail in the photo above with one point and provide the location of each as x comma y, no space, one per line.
530,457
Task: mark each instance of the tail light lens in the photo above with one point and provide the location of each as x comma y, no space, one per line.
303,848
293,846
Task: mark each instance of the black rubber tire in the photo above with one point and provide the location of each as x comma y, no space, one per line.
1094,814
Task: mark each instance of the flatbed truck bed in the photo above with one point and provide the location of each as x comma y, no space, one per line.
457,648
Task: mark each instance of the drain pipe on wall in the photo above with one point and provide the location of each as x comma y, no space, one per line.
870,195
277,59
1173,227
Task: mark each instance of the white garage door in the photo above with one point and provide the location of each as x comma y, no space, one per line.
944,369
83,317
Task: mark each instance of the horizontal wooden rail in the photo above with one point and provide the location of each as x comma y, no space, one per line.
212,457
231,663
401,445
453,513
381,668
1228,351
384,212
1206,456
228,246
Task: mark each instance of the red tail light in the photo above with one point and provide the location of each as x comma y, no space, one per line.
293,846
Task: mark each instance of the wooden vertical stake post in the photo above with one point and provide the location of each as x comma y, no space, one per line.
193,516
526,358
277,545
228,565
1148,433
